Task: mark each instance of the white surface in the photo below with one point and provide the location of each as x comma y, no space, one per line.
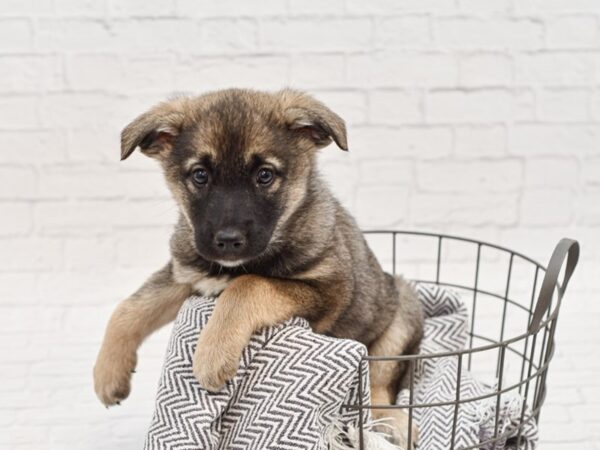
480,118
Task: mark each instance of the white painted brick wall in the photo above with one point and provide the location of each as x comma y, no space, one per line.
471,117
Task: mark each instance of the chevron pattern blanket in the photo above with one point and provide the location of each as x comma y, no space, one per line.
292,383
446,330
288,392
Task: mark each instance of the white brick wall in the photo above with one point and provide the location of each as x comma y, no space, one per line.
472,117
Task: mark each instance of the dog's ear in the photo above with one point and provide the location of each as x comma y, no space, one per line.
155,130
311,118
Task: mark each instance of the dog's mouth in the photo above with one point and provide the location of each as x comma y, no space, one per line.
234,257
232,246
231,263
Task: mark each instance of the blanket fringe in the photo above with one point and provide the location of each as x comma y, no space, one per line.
339,436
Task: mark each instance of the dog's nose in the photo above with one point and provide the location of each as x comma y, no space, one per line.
230,240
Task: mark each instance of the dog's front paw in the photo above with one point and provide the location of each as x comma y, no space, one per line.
395,426
216,360
112,374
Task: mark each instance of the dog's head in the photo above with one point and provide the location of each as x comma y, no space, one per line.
238,162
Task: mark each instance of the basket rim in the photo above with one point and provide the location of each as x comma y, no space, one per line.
505,342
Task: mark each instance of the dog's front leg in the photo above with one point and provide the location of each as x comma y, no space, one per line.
154,304
249,303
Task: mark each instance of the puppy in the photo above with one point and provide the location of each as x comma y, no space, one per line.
258,226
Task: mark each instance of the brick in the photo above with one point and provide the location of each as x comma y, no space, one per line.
98,216
27,319
96,144
142,184
585,413
229,8
18,288
315,7
392,69
394,107
555,69
387,172
101,183
590,169
78,253
16,219
469,177
488,7
382,206
572,32
18,112
17,182
470,33
590,214
15,35
30,254
90,288
551,171
524,106
540,139
557,432
30,73
127,75
25,7
315,35
486,69
147,249
472,106
468,209
547,206
341,175
94,110
556,6
480,141
402,32
168,35
80,7
70,218
75,34
228,36
595,106
350,105
78,182
415,142
318,71
260,72
135,8
386,7
563,105
37,146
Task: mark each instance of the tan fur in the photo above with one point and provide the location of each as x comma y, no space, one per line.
155,304
249,303
401,337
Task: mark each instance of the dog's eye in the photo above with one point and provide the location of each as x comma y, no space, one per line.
264,176
200,176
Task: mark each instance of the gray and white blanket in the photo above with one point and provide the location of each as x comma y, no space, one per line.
446,330
292,384
288,392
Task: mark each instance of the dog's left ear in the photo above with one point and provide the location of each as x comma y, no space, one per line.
155,130
306,115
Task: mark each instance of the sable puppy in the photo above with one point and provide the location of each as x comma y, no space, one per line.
259,227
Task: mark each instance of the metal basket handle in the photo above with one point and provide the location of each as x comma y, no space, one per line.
566,248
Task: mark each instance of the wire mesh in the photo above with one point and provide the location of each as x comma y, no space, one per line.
503,286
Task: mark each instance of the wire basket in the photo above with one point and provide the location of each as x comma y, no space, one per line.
511,335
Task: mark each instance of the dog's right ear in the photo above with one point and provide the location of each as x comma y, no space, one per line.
155,130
